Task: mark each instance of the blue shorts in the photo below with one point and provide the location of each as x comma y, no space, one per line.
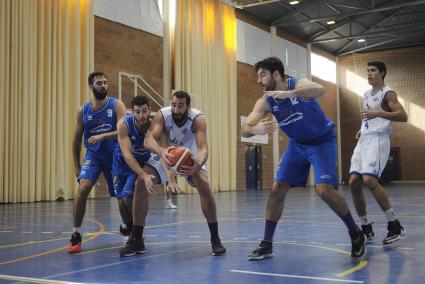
294,167
93,165
125,178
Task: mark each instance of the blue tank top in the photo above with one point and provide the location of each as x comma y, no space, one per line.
140,153
302,120
99,122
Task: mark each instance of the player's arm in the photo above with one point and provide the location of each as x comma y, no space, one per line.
304,88
121,111
199,127
154,136
394,111
77,141
256,123
125,146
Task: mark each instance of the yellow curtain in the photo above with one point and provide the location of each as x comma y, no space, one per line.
205,66
46,54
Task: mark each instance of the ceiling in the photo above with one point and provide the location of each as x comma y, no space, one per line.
382,24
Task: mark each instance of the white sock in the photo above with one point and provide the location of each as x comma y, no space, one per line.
364,220
169,201
76,229
124,226
390,215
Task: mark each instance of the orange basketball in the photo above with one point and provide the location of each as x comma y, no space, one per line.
181,157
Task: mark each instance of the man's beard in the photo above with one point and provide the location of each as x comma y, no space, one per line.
100,95
271,86
180,119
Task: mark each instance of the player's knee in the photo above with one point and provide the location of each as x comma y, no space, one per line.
278,190
370,182
354,182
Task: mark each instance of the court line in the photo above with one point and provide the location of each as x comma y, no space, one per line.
296,276
33,280
97,234
120,262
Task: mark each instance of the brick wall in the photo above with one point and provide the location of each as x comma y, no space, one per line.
405,74
121,48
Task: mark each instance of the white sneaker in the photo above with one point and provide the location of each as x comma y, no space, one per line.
170,205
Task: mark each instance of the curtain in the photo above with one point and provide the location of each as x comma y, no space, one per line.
46,54
205,66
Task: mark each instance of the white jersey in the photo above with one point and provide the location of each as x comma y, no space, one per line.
374,102
181,136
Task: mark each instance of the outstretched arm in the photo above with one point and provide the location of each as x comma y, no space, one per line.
153,137
256,123
304,88
125,146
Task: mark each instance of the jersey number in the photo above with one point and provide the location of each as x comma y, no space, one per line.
294,100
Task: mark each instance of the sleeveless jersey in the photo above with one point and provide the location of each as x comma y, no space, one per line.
181,136
301,120
140,153
374,102
99,122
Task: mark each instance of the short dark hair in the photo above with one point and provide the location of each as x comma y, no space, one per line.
380,65
181,95
95,74
272,64
139,101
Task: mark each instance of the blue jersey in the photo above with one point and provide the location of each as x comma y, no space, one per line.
99,122
302,120
140,153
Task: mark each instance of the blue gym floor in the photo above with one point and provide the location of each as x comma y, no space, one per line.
311,243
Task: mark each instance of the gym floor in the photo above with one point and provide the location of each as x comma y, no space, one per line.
311,243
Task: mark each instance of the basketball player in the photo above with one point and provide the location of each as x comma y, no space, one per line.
380,108
311,141
131,158
97,121
186,126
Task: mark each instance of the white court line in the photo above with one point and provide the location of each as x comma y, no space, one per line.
297,276
34,280
47,232
195,237
5,231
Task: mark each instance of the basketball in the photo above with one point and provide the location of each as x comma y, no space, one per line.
181,157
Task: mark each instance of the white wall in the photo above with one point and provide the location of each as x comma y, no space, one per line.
140,14
254,44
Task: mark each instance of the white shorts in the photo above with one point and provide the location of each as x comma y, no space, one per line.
156,163
371,154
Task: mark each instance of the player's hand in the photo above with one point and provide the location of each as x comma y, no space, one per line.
358,134
190,170
173,187
149,181
369,113
165,155
265,126
277,94
95,138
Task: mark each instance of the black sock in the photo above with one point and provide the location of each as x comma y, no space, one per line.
137,232
213,230
269,229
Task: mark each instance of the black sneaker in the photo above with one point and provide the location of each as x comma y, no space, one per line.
75,243
368,232
395,232
217,247
133,247
358,247
125,232
264,250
